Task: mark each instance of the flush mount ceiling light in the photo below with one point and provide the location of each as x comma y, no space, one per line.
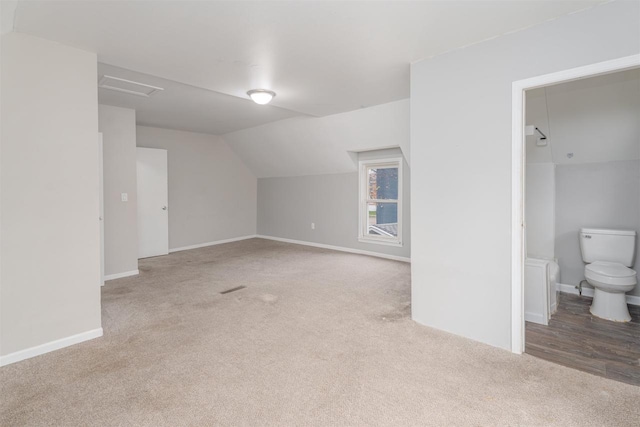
261,96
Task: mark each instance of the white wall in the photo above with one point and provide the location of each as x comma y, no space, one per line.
7,15
287,207
599,195
49,174
595,119
307,169
212,194
540,214
536,114
118,127
303,146
461,162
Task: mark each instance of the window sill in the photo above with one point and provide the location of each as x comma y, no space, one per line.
379,241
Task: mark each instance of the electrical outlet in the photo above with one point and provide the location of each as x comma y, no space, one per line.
313,225
124,197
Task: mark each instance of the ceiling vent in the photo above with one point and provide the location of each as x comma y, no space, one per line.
127,86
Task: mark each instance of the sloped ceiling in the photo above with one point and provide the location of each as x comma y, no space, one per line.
321,145
340,69
188,108
7,14
320,57
590,120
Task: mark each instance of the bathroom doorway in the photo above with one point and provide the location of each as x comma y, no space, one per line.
580,164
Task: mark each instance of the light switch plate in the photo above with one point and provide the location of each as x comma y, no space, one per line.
124,197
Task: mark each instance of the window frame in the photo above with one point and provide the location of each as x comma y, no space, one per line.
363,200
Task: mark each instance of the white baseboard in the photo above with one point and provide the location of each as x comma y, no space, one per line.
121,275
336,248
50,346
217,242
571,289
534,317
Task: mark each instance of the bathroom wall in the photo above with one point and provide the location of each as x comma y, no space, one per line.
593,129
540,187
587,121
605,195
540,210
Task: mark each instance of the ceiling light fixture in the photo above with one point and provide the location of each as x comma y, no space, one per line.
261,96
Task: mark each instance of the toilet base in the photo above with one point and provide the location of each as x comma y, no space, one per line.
610,306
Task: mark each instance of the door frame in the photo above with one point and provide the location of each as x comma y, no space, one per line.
518,151
166,203
101,202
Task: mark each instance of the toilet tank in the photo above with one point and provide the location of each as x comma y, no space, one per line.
597,244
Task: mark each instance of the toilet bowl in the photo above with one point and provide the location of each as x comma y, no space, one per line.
610,281
609,254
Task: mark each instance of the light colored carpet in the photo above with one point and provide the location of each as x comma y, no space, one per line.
316,338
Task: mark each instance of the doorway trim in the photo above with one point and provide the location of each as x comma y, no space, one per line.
517,175
152,171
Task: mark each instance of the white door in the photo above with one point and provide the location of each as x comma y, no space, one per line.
153,206
101,205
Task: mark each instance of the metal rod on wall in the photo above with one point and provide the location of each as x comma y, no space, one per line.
543,135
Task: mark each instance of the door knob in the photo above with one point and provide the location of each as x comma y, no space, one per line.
164,208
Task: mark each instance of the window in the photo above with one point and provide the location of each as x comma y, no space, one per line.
381,201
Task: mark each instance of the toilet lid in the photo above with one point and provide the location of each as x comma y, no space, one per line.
610,269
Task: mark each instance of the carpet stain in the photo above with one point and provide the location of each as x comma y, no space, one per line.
403,312
121,291
205,305
237,288
105,368
269,298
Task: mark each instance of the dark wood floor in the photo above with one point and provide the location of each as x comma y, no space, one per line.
577,339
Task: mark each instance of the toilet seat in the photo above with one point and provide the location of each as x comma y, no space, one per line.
610,273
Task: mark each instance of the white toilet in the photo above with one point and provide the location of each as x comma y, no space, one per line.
608,254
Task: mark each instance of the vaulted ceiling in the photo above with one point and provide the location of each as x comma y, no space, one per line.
321,57
321,145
